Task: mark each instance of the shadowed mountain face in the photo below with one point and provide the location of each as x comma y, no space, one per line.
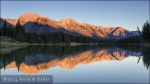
9,22
40,24
35,59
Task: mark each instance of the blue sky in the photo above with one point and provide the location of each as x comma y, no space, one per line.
128,14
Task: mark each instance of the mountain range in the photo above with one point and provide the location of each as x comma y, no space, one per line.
40,24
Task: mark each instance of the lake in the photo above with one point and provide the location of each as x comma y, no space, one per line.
80,64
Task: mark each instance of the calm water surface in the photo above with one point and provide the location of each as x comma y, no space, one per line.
79,64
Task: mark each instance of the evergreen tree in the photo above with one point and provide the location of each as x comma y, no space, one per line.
4,29
20,32
10,31
0,31
146,32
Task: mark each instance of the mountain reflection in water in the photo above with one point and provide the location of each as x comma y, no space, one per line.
35,59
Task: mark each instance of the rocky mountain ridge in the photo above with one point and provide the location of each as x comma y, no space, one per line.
40,24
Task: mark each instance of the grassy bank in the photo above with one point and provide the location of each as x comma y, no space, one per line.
6,47
8,44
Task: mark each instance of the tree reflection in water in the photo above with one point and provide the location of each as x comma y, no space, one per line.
34,55
145,57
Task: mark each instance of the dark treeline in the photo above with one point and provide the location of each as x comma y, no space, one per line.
146,32
143,38
131,40
18,32
7,30
57,37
